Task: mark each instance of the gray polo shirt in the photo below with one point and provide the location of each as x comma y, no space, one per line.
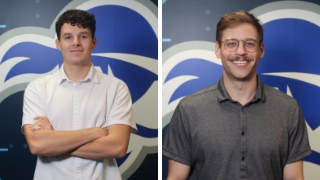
222,140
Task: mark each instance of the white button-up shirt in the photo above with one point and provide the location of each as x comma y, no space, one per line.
98,100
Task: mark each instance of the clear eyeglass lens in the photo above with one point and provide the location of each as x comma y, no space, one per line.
232,45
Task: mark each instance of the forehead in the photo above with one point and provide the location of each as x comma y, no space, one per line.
68,28
241,32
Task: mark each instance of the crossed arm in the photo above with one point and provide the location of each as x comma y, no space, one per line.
178,171
90,143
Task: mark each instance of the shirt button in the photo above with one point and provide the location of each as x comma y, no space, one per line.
242,133
242,158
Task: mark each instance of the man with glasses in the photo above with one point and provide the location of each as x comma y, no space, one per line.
238,128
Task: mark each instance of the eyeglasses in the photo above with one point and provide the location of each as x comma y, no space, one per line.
232,45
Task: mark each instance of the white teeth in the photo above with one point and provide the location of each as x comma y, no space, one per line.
240,62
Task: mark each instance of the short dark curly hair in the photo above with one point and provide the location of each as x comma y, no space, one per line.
76,17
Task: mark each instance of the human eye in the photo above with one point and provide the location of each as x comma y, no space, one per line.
251,43
231,43
67,37
84,36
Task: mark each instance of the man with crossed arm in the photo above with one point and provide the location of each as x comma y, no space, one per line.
77,120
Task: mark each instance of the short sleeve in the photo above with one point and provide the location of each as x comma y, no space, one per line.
32,105
298,138
177,142
121,110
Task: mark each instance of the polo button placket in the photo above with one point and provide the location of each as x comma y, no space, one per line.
243,143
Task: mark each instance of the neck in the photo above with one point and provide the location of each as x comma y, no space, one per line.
76,73
241,91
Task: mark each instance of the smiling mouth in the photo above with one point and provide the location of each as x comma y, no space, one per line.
240,62
76,51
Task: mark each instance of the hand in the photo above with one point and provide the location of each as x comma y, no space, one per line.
42,123
101,132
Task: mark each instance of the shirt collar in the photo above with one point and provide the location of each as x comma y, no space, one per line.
91,76
223,94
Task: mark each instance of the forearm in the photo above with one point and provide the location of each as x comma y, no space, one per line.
112,146
101,148
293,171
49,142
177,171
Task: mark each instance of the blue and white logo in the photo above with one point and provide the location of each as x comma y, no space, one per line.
187,67
127,48
291,64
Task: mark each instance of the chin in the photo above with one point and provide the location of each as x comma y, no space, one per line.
77,62
246,77
243,79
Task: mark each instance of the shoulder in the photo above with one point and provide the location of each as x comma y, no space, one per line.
208,93
110,80
43,81
278,99
112,85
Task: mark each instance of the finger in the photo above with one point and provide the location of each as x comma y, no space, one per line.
43,125
38,117
45,120
33,124
42,122
35,128
37,123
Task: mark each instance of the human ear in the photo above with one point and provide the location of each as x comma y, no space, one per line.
58,44
261,50
217,50
94,41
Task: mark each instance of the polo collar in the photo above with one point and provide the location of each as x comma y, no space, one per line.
223,95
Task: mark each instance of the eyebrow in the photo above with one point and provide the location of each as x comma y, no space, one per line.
81,33
241,39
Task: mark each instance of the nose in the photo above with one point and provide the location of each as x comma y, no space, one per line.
76,41
241,49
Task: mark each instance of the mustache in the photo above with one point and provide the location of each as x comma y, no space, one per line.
236,58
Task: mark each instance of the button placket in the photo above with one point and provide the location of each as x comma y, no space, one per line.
243,143
76,107
76,104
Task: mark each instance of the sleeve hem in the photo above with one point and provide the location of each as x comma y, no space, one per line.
176,157
24,123
299,156
133,128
